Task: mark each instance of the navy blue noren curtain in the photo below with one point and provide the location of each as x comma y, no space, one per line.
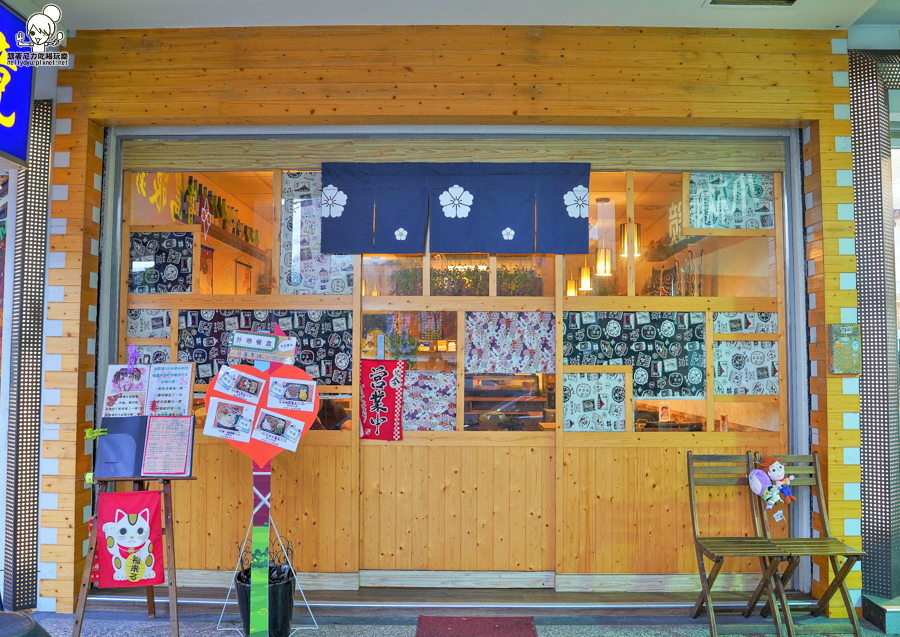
496,208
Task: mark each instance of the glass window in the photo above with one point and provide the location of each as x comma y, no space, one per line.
669,262
511,402
603,272
334,413
747,416
459,275
525,275
303,269
392,275
222,220
426,340
669,415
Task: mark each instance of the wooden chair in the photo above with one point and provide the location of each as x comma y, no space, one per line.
808,474
730,471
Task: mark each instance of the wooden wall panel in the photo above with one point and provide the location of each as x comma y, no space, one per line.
632,512
310,506
444,507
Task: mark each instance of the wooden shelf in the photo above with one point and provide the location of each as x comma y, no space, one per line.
238,244
714,241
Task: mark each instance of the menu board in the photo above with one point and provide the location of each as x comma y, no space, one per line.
304,269
666,349
746,368
168,445
126,391
324,340
732,200
170,390
148,390
594,402
161,263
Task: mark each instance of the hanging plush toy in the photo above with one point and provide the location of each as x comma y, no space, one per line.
762,486
775,470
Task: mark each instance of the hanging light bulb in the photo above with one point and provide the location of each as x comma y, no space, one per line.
570,288
637,239
363,287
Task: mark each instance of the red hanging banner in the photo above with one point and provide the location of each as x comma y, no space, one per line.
381,399
129,539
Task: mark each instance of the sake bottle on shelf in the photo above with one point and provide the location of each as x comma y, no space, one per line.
184,200
222,209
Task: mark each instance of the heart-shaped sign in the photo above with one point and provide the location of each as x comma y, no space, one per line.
261,452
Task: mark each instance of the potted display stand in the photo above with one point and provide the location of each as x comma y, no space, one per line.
281,599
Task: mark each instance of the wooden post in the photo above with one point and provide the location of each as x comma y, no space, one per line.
138,485
170,555
86,576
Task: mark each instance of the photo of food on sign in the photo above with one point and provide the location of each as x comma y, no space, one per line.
666,349
229,420
324,340
277,429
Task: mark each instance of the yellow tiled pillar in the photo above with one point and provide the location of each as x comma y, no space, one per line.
70,329
831,283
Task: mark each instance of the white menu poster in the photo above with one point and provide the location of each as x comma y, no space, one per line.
229,420
171,389
126,390
168,446
278,430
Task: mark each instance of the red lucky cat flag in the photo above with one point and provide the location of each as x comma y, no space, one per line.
381,399
129,539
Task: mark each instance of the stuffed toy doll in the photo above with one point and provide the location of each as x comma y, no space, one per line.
762,486
775,470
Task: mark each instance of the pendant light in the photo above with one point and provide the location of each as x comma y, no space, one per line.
586,278
570,288
623,239
604,254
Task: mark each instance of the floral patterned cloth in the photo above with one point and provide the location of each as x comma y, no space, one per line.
510,343
429,401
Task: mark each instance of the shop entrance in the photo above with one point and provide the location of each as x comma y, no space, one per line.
550,399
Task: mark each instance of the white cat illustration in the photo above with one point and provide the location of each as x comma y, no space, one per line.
128,541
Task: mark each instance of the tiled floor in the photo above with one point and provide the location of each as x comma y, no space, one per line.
109,624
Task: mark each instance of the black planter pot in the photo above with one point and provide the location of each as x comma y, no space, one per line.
281,600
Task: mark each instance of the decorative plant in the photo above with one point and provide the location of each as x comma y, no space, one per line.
665,248
407,281
519,281
468,282
403,347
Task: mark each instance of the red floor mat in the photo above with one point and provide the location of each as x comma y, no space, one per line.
476,627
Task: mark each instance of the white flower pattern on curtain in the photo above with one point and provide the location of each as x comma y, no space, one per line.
333,201
400,234
509,234
576,201
456,202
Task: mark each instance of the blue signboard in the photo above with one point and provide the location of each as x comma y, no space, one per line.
15,90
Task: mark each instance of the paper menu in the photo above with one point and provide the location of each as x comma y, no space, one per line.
126,391
239,385
229,420
277,429
168,445
292,394
171,386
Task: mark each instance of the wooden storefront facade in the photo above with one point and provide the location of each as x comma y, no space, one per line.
548,508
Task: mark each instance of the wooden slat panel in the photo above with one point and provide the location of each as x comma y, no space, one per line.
309,154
